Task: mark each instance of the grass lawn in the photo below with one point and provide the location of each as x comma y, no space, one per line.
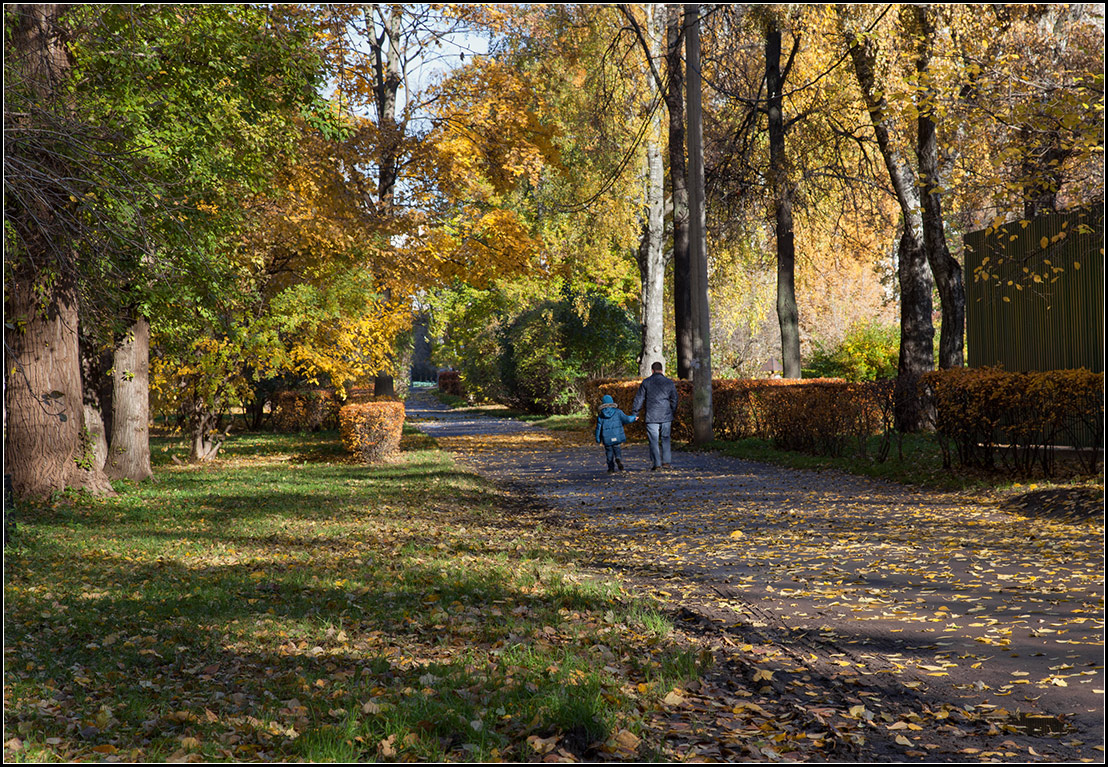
285,604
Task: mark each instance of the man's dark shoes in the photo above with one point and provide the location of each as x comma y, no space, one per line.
619,463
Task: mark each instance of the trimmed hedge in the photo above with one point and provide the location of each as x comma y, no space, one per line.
982,414
450,382
813,415
297,410
371,430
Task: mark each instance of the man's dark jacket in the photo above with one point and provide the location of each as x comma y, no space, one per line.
660,395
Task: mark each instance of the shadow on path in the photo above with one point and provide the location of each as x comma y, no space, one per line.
853,591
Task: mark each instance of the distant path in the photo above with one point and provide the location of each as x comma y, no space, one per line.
874,594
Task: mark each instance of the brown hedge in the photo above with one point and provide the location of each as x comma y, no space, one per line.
297,410
985,414
450,382
371,430
815,415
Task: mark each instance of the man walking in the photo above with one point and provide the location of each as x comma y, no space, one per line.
659,394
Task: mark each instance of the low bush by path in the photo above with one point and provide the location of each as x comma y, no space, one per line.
287,604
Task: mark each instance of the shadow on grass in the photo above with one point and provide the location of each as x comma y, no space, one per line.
307,612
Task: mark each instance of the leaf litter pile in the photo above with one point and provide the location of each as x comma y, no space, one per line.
286,605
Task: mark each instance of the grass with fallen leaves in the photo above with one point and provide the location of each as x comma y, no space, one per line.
283,603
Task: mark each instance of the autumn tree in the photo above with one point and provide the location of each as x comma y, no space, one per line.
167,140
376,53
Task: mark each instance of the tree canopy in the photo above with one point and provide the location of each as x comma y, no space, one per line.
275,190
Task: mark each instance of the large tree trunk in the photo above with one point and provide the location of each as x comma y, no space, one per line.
674,95
651,254
46,448
388,80
652,263
947,270
97,384
202,425
787,315
129,448
917,333
698,240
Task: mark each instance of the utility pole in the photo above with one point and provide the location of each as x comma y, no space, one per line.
698,241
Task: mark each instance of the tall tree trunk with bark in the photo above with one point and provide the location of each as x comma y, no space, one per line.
652,262
787,316
701,310
97,383
678,173
917,333
388,78
46,445
651,254
129,446
945,268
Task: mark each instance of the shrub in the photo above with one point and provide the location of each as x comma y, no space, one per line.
816,416
868,352
819,416
549,351
450,382
371,430
305,410
982,414
357,394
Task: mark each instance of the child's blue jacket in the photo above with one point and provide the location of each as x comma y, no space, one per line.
609,425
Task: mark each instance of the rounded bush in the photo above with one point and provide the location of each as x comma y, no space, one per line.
371,430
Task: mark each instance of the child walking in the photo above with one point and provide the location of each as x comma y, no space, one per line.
609,431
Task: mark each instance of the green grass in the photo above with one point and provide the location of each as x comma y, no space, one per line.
286,604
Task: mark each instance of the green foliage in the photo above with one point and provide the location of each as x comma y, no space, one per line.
519,344
868,352
548,350
466,321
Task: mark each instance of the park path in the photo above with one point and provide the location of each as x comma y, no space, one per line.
860,596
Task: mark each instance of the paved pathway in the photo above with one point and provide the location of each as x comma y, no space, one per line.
884,595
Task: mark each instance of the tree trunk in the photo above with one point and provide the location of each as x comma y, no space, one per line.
651,254
787,316
129,450
652,263
674,95
202,424
917,334
97,385
389,78
702,330
46,445
946,270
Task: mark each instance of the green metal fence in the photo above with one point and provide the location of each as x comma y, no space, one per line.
1035,293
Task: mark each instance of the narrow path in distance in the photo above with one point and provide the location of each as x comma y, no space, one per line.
940,629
